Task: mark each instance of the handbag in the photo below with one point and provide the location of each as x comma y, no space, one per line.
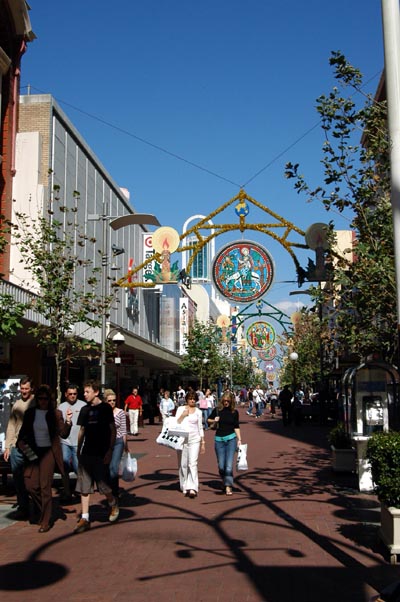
241,463
203,403
172,441
128,467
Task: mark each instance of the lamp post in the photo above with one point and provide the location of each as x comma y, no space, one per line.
118,339
116,222
293,358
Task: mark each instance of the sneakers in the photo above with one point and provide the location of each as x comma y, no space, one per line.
114,513
82,526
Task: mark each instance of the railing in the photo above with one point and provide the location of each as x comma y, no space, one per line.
21,295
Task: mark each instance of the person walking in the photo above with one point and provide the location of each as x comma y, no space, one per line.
285,402
180,396
227,437
251,402
258,397
39,441
167,406
12,453
190,417
134,407
120,444
69,445
95,444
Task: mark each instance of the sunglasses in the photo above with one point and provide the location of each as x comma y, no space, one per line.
111,400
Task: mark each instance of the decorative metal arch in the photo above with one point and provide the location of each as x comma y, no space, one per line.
279,230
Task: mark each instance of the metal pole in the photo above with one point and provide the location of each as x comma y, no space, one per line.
104,265
391,38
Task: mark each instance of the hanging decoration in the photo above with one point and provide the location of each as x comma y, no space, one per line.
268,354
165,242
260,335
243,271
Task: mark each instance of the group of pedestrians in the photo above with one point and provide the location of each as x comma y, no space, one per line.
225,419
88,436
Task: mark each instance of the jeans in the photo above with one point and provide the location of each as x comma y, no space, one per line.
118,450
70,457
17,468
225,451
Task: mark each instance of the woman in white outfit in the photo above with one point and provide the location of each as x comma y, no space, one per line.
190,417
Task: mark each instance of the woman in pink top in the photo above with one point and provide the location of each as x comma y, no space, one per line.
190,417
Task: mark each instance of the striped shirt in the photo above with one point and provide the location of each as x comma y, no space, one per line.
120,423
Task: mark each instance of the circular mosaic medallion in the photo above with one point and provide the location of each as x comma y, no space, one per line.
243,271
260,335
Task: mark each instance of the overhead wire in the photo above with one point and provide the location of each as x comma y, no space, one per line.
188,161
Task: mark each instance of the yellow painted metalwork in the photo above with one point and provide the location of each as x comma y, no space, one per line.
279,230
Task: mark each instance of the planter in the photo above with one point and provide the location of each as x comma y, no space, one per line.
343,460
390,531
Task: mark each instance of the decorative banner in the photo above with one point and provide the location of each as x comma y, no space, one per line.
271,376
260,335
223,322
243,271
165,242
270,367
270,354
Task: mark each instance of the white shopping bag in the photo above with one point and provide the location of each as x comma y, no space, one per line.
128,467
242,457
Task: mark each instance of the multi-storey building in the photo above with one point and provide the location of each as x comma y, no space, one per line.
49,152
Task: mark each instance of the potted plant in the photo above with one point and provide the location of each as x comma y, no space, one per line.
383,453
343,454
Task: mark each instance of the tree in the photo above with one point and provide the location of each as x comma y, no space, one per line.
356,178
11,311
305,339
205,341
68,298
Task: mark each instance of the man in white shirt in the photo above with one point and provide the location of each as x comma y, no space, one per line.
181,396
69,445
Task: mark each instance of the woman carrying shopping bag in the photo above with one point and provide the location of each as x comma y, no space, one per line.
227,437
120,444
190,417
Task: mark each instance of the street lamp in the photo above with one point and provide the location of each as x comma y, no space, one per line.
118,339
116,222
293,358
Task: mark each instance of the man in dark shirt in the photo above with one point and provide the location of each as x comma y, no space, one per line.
96,439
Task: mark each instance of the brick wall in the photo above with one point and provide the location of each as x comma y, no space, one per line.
36,118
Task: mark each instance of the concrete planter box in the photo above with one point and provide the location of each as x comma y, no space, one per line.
390,531
343,460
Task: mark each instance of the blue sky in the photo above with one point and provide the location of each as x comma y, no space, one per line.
227,85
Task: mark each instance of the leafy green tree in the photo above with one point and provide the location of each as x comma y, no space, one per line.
68,296
305,340
355,160
11,311
205,342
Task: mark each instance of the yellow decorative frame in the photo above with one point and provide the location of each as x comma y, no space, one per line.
278,230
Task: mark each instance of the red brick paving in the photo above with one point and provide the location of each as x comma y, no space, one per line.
293,531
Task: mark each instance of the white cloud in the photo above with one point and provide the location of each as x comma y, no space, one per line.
289,307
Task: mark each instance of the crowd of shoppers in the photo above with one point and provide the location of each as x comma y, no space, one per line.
88,438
